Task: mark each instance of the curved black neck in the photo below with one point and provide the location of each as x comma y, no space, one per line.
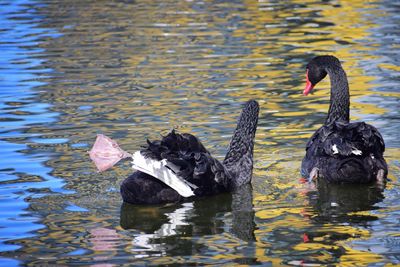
339,109
239,160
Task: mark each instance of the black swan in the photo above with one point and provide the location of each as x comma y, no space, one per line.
185,157
340,151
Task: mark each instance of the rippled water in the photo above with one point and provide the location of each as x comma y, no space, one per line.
135,69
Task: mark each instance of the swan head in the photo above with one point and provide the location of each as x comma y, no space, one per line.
316,71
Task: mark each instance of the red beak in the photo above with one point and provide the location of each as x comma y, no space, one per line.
309,86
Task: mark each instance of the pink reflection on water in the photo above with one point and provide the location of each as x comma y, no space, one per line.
104,239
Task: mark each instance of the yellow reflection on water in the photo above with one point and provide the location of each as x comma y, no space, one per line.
174,66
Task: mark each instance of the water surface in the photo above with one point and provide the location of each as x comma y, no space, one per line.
136,69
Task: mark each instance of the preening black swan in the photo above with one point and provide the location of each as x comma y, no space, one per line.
340,151
187,158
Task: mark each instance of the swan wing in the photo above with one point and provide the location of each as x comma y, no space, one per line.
164,171
346,139
187,158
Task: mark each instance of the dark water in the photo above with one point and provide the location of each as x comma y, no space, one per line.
135,69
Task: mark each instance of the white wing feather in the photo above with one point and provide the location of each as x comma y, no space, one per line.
162,171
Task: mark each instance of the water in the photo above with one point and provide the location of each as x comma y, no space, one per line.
133,70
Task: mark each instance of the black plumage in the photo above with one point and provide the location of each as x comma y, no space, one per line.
340,151
195,164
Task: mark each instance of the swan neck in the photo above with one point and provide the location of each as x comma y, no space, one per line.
238,161
339,108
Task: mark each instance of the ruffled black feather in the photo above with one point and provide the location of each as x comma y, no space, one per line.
344,165
192,161
187,158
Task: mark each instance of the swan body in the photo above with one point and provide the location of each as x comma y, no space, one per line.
341,151
181,161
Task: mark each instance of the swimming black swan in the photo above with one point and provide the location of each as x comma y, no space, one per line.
340,151
185,157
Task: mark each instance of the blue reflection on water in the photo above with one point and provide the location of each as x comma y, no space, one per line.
21,73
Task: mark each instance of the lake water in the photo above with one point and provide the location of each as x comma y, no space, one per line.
136,69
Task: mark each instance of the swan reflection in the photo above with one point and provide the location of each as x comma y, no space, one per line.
342,202
162,227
